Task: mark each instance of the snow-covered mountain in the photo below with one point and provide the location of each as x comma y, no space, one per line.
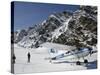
82,28
19,34
78,28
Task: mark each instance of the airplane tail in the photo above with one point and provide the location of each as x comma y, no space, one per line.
52,51
55,54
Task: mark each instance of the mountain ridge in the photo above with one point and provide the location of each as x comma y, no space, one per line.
77,29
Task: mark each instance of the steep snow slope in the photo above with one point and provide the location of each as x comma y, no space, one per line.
57,46
57,32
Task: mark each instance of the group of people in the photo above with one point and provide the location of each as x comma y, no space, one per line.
28,58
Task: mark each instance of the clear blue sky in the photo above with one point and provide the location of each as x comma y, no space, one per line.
27,14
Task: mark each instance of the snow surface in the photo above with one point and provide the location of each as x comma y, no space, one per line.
39,63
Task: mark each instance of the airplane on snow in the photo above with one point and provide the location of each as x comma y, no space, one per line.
72,54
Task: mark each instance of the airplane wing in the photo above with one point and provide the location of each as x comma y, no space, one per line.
73,54
61,55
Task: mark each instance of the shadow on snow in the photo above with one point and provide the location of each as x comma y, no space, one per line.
90,65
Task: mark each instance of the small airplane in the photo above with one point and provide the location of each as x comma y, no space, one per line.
72,54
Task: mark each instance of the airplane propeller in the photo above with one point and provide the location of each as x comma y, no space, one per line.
90,51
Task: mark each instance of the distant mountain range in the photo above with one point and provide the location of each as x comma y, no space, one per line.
75,29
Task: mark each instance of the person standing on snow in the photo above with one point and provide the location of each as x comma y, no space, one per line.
13,58
29,56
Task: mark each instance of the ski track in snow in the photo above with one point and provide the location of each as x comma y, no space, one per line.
40,64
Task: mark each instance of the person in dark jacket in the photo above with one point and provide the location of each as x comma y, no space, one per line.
13,58
29,56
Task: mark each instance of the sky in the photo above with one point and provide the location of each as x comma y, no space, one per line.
27,14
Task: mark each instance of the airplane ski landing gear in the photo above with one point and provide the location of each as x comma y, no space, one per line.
85,61
78,63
